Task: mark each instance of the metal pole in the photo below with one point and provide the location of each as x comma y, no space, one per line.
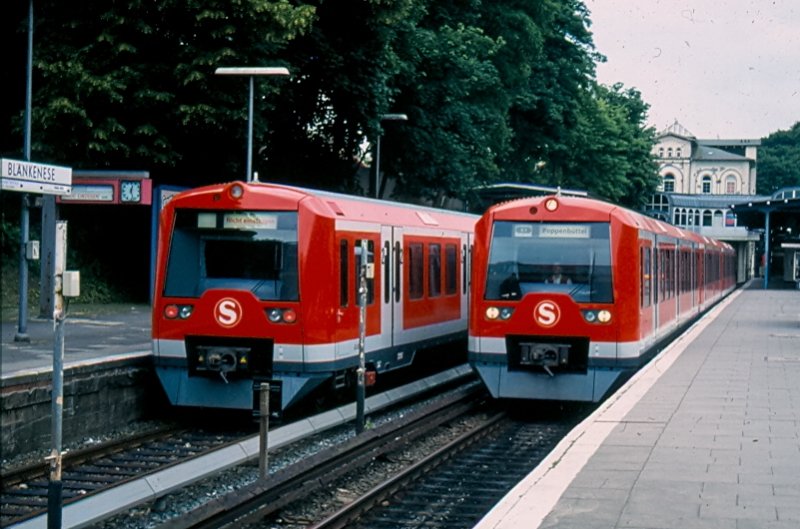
766,251
250,134
362,334
22,322
55,486
378,167
263,468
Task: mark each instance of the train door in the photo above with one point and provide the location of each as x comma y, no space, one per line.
349,311
387,273
646,309
396,301
466,272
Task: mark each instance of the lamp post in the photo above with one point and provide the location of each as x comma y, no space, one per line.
251,72
384,117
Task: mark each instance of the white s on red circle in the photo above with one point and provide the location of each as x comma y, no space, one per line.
228,312
547,313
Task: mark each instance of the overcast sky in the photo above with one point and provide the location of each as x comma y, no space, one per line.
722,68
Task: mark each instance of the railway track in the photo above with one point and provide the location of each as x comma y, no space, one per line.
315,474
89,471
127,472
458,484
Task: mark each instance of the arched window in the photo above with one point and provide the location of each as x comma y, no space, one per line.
730,184
661,152
696,217
706,184
669,152
706,218
669,183
678,152
718,218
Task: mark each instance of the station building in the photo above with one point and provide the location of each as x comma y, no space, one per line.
708,186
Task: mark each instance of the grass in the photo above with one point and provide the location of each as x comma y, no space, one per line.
96,293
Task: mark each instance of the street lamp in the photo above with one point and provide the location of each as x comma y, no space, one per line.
384,117
251,72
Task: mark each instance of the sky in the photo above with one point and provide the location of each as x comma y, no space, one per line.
727,69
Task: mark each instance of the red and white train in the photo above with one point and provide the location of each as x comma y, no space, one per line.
259,283
571,295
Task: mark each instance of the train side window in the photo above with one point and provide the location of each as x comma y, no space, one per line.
415,271
387,280
464,268
450,269
398,261
645,276
434,270
344,268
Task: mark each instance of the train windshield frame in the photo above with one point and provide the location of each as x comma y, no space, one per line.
241,250
524,256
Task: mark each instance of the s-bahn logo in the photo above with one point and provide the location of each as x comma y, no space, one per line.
228,312
546,313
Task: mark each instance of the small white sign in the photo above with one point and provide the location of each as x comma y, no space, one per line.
563,231
90,193
250,220
34,177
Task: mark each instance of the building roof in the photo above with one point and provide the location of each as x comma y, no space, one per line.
679,200
676,129
707,153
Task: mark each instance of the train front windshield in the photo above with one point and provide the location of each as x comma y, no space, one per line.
571,258
244,250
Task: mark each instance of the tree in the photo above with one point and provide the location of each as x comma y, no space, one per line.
612,144
131,84
779,161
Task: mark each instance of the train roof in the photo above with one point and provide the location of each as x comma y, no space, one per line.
341,206
593,209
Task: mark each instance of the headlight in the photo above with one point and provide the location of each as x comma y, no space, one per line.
596,316
236,191
506,312
281,315
492,313
183,312
274,315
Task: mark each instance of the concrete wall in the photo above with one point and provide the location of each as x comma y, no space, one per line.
97,399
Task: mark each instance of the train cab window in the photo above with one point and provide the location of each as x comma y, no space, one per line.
523,255
415,271
434,270
246,250
450,269
357,267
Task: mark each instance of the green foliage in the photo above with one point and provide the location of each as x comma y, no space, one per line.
494,91
132,84
614,159
779,161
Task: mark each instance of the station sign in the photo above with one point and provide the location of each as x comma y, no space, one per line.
110,188
32,177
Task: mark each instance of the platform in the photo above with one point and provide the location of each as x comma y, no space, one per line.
91,334
707,435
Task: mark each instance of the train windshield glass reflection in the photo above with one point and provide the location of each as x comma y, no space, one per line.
254,251
572,258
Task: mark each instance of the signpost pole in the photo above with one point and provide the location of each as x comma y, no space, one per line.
362,333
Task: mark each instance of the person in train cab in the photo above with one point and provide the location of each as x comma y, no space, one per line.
557,277
509,288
